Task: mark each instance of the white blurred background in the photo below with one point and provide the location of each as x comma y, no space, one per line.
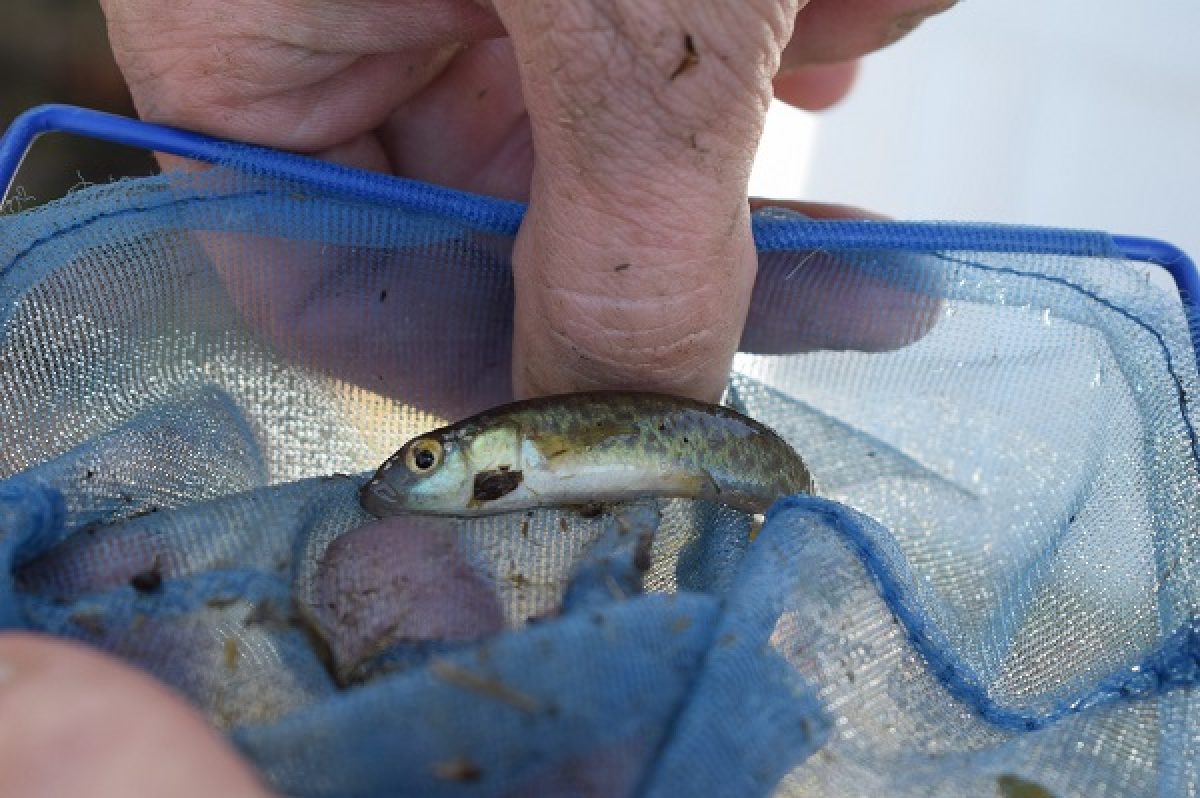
1074,113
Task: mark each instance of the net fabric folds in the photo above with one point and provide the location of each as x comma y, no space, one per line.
995,591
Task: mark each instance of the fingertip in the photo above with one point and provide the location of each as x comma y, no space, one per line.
76,722
829,31
816,87
830,304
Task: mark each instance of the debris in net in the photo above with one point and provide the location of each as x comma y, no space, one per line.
1011,786
460,769
149,580
90,621
487,686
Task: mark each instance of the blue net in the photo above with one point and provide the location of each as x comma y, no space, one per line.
995,592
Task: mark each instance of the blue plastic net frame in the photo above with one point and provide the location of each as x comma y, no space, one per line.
504,217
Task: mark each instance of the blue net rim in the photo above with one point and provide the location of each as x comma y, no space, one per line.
504,216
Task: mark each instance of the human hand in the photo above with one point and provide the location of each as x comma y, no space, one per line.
630,149
629,126
74,722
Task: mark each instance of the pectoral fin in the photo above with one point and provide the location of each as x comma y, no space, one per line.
491,485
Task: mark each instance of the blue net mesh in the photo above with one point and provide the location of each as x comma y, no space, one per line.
996,591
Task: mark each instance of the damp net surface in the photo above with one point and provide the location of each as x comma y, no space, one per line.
995,591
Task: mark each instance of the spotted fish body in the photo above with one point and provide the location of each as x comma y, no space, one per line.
587,449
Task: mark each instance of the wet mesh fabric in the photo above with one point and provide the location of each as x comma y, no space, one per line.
995,590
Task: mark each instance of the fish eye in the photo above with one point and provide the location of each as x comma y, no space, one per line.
423,455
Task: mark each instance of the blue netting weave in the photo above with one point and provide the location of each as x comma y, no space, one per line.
996,592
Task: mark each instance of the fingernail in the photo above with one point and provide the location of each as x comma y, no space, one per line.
6,673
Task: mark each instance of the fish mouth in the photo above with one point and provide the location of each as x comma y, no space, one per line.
380,499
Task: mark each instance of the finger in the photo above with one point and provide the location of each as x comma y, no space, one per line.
634,265
818,300
807,301
303,76
386,327
468,128
815,88
833,31
73,722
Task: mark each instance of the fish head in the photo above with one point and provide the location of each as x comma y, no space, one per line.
429,474
440,473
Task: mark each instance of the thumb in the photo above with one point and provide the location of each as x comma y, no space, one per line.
74,722
635,264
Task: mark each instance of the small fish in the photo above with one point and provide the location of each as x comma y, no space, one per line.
584,449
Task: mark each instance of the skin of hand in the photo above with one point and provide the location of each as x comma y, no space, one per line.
629,126
75,722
